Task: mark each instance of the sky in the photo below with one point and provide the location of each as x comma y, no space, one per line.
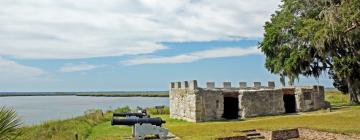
132,45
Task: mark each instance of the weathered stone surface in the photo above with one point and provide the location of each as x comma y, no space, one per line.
193,85
185,84
227,85
177,85
172,85
192,103
182,104
271,85
260,102
210,105
242,85
257,84
210,85
285,134
310,98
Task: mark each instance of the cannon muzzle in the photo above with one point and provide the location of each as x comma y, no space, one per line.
133,121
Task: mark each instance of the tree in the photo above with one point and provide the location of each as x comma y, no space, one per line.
310,37
8,123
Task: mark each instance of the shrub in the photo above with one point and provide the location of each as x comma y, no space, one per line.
123,109
158,111
9,121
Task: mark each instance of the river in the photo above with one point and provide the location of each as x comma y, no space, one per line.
38,109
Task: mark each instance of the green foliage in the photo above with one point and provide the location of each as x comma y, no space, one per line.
155,111
123,109
9,121
336,98
313,36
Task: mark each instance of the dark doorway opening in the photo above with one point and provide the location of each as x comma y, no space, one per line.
231,108
289,103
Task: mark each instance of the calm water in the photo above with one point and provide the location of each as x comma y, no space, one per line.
37,109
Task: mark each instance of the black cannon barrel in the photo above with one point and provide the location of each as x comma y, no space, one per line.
133,121
140,115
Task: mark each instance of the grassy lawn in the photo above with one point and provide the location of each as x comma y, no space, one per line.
342,119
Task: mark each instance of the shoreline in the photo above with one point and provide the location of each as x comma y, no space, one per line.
145,94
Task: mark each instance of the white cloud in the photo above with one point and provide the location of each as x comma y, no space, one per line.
78,68
68,29
11,71
195,56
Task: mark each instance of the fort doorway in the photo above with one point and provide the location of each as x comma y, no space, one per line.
231,107
289,103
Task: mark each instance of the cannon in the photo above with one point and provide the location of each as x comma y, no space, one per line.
133,121
143,126
138,115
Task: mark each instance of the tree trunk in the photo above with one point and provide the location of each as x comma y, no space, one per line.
353,92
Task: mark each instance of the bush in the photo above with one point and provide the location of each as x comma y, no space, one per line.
123,109
158,111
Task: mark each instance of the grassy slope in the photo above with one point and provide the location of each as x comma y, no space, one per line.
343,119
65,129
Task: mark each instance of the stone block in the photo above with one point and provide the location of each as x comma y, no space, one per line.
285,134
193,84
242,85
177,85
227,85
257,84
172,85
210,85
271,84
185,84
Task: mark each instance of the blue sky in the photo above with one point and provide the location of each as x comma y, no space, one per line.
93,45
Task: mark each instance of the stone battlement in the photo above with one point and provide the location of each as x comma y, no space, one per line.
192,85
190,102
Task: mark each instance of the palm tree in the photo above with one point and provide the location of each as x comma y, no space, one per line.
9,121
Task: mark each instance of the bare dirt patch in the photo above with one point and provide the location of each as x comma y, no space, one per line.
310,134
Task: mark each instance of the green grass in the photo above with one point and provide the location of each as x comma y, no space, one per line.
336,98
342,119
104,131
80,127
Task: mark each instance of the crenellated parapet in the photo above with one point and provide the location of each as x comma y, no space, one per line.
192,85
227,100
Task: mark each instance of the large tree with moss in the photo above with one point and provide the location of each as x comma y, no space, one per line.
310,37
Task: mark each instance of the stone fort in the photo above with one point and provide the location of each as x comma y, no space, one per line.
192,103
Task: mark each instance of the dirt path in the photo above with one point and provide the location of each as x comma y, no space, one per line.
310,134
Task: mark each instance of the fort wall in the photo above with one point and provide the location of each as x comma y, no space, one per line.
195,104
